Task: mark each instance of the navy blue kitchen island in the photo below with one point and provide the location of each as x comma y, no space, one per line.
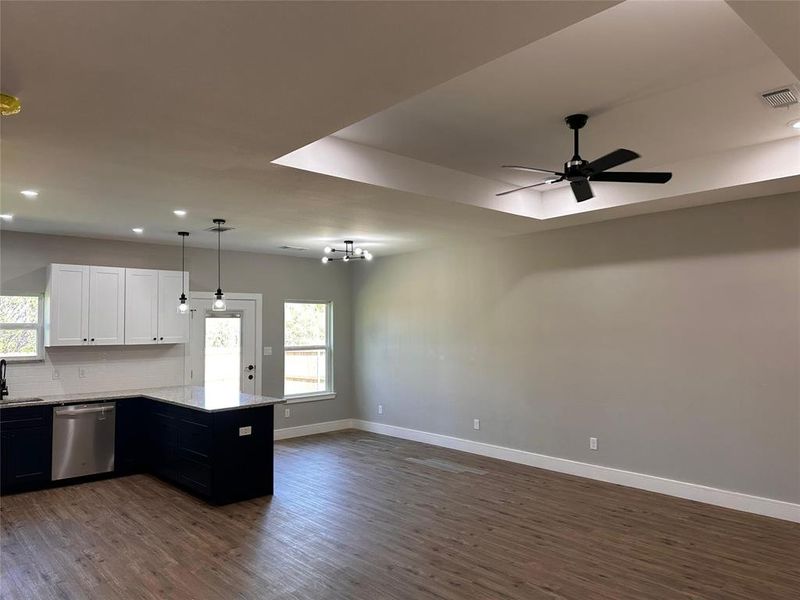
214,444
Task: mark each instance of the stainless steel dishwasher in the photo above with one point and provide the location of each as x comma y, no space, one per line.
83,439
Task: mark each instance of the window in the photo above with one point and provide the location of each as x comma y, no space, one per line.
21,327
308,349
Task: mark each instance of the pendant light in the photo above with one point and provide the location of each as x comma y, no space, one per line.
183,307
350,253
219,298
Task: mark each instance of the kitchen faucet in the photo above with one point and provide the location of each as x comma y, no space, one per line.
3,385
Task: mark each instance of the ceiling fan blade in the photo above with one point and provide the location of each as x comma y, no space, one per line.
625,177
611,160
521,168
581,189
528,186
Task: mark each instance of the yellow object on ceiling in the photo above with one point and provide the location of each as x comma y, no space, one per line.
9,105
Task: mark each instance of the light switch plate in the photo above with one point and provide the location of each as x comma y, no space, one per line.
245,430
287,412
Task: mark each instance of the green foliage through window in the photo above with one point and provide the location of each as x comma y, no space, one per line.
19,326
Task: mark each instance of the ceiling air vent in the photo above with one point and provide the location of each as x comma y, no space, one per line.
295,248
782,97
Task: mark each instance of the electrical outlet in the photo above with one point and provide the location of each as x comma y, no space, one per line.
267,350
380,409
476,424
56,374
592,443
82,373
287,412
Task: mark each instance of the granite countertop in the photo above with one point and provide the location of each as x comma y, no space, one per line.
208,399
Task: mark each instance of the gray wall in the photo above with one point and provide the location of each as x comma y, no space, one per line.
24,258
673,338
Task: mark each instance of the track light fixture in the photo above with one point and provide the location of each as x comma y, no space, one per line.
349,253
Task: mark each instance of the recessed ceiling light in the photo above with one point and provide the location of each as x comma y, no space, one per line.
179,213
29,193
6,217
794,124
137,230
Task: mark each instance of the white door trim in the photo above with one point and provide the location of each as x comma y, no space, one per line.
259,348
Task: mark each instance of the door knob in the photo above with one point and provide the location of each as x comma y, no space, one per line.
250,367
249,376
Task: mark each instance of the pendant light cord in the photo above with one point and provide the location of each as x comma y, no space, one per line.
219,260
183,264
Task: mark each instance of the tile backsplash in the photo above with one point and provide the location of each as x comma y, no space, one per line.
69,370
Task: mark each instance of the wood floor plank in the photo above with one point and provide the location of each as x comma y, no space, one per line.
353,518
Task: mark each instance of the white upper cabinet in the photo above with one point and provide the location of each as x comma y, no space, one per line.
106,305
67,305
173,327
87,305
151,307
141,306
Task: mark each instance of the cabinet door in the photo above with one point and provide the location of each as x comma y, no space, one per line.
130,442
173,327
25,457
106,305
67,305
163,430
141,306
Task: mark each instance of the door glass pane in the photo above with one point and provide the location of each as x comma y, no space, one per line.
223,353
305,371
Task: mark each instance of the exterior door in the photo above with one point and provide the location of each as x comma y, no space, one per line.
223,346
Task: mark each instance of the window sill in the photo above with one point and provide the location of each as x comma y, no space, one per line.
310,397
24,360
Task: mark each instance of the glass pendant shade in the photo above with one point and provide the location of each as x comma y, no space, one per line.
219,301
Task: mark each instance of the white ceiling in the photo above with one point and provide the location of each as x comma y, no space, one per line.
131,110
670,80
678,82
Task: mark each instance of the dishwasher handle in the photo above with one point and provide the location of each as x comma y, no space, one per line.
69,411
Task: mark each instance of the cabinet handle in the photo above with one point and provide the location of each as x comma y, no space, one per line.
161,338
85,340
154,339
249,376
92,339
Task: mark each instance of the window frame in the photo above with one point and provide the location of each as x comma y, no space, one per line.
330,391
38,327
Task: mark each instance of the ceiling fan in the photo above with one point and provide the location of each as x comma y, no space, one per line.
580,172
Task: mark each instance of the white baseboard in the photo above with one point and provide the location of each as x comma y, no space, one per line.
691,491
681,489
312,429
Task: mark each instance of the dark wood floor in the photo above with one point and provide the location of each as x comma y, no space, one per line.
352,519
